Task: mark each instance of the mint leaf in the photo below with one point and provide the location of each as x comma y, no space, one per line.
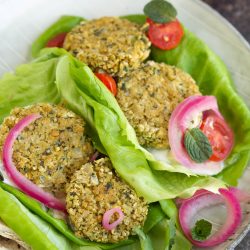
197,145
160,11
201,230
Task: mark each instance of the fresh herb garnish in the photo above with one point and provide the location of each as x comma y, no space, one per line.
201,230
197,145
160,11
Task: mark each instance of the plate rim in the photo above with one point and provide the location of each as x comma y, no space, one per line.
246,45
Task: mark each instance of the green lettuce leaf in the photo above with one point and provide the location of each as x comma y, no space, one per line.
213,78
137,18
181,242
99,107
164,236
32,83
159,232
110,130
155,215
32,229
209,71
36,207
85,94
64,24
145,241
162,227
194,57
77,86
170,209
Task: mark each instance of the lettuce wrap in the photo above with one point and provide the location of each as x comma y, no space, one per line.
194,57
56,77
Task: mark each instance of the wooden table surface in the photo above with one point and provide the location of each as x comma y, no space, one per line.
237,12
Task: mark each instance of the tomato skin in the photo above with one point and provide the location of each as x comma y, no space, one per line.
56,41
220,136
165,36
108,81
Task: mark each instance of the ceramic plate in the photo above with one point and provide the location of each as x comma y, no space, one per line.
22,21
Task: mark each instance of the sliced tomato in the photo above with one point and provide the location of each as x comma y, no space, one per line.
165,36
219,134
108,81
57,41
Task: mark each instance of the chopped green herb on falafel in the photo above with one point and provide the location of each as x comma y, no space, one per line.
52,148
110,44
93,190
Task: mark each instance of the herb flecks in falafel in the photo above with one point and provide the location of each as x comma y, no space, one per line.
51,149
109,43
95,189
148,95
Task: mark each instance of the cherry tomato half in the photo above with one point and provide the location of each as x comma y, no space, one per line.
219,135
165,36
57,41
108,81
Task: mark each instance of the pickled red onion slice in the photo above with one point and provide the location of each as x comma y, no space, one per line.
201,200
20,180
94,156
107,216
181,118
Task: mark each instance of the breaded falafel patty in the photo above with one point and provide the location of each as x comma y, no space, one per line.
111,44
50,149
93,190
148,96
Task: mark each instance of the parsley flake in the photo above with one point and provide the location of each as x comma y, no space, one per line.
201,230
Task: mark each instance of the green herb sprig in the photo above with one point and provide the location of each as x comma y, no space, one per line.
201,230
160,11
197,145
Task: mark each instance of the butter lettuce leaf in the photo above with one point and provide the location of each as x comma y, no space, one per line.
194,57
95,103
63,24
74,84
59,224
55,77
213,78
159,232
86,95
39,234
31,83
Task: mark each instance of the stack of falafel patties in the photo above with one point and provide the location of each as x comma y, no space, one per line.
54,152
148,92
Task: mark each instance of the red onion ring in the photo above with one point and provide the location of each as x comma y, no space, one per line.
241,195
94,156
180,120
179,201
205,199
20,180
107,216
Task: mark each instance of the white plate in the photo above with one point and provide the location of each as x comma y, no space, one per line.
22,21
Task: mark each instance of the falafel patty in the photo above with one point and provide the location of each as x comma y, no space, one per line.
93,190
109,43
50,149
148,96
